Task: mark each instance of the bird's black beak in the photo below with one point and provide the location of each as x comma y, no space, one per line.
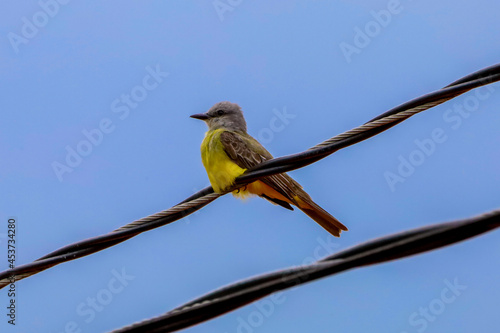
201,116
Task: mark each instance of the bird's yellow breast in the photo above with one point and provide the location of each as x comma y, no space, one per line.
221,170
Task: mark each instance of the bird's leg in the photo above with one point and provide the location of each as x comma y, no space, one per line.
240,189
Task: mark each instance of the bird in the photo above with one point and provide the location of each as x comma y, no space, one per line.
227,151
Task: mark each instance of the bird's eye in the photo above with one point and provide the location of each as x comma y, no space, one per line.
220,112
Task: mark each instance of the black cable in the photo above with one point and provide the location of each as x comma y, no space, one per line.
397,246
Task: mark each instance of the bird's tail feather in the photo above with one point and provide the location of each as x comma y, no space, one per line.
321,216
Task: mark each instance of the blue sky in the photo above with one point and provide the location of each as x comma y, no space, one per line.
95,133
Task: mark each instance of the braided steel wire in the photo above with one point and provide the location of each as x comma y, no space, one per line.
388,248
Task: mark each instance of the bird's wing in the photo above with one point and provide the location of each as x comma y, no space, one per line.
247,152
237,148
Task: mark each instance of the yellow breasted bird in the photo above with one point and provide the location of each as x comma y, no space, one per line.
228,151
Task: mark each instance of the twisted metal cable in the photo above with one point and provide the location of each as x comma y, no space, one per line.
291,162
388,248
175,209
274,166
377,123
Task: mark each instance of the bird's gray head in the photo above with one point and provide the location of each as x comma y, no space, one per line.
225,115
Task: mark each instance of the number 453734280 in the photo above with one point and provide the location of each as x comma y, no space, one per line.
11,243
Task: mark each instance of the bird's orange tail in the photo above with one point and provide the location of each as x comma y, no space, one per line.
321,216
